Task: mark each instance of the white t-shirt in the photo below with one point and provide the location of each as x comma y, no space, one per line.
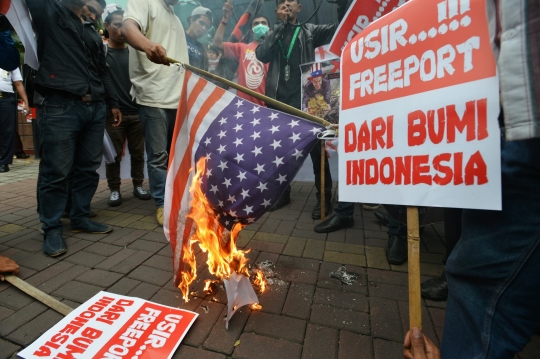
157,85
7,78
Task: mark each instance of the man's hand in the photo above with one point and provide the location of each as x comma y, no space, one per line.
283,12
226,11
117,115
421,345
157,54
7,266
26,108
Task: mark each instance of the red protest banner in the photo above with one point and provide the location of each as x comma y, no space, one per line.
419,109
358,17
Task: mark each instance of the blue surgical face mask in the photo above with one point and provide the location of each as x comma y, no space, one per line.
259,31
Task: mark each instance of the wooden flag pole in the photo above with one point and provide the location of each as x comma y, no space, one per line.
269,101
323,193
413,239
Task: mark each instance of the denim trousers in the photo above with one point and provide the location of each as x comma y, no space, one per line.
8,122
158,127
71,136
493,276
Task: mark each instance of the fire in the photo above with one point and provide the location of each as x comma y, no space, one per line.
256,306
260,281
213,238
210,286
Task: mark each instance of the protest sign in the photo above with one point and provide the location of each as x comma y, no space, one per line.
114,326
320,89
360,14
418,121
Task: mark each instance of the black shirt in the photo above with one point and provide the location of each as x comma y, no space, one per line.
71,53
118,67
289,91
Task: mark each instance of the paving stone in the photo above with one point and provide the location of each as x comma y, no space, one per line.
244,237
320,343
265,256
273,299
388,277
532,350
55,279
385,349
77,291
345,248
345,258
151,275
266,246
31,245
437,316
295,247
376,258
314,249
256,346
14,298
160,262
270,237
296,275
285,228
5,312
204,323
340,299
150,246
33,329
99,277
354,346
7,349
388,291
103,249
338,236
168,297
427,325
123,286
156,237
299,299
21,317
127,265
338,318
144,291
384,316
116,258
298,263
310,234
430,269
123,236
222,340
187,352
276,326
86,259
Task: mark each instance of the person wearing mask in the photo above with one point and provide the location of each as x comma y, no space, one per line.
285,48
200,22
131,127
252,73
73,115
150,27
8,114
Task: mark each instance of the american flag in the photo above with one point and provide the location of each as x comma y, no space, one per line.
252,154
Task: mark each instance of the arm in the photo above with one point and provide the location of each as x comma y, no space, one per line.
110,93
134,37
22,94
220,32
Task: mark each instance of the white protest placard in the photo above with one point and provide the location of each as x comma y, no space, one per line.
114,326
420,102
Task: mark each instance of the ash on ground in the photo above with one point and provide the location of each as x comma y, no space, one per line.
344,276
267,269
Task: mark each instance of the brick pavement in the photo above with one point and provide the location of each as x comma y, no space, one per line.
310,316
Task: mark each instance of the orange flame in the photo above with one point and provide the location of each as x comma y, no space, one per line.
260,281
213,238
256,306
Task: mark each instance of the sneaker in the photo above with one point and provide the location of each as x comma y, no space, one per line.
89,226
371,206
141,193
159,216
115,199
54,244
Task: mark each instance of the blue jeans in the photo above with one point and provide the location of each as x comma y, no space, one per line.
158,127
493,272
71,136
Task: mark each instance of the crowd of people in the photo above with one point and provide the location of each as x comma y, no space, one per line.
132,92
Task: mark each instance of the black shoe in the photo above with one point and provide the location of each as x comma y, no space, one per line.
334,223
54,245
89,226
435,289
282,201
316,213
382,217
4,168
397,249
22,156
141,193
115,199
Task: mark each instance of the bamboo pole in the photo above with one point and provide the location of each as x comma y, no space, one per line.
413,238
269,101
323,192
39,295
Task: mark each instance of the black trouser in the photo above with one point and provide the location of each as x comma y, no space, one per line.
8,118
316,159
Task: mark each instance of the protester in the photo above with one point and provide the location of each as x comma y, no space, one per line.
7,266
286,47
251,72
73,118
93,10
8,114
200,22
151,27
131,127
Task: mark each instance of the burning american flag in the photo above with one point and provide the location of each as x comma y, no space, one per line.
230,161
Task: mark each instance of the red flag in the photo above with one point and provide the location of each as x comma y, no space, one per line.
18,15
244,23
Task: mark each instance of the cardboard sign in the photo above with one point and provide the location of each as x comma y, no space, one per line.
114,326
320,89
361,13
419,108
